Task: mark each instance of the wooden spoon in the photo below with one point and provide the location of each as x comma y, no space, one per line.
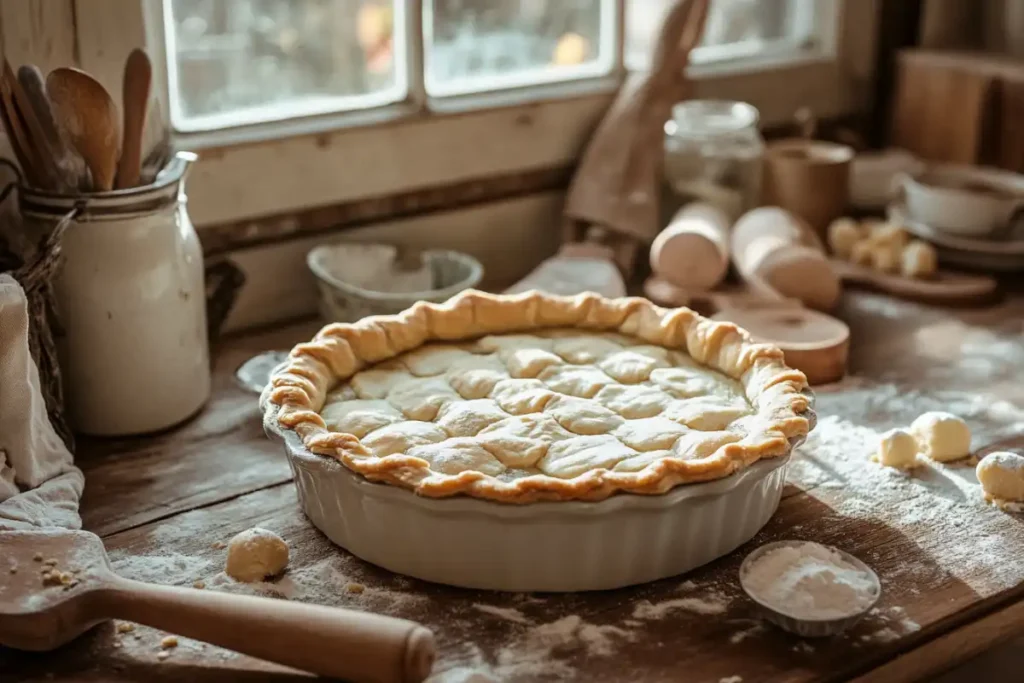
69,165
18,136
138,76
86,111
338,643
42,154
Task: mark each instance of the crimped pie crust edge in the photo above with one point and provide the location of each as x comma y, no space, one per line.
297,391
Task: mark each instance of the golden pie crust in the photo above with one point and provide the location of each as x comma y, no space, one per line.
527,397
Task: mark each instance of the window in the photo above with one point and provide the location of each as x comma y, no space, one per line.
734,29
239,62
250,61
299,104
474,46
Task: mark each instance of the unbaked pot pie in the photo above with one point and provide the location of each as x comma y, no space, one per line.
530,397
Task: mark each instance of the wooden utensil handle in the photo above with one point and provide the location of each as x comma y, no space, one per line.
333,642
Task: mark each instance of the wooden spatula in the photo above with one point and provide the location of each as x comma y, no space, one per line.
86,111
138,76
38,613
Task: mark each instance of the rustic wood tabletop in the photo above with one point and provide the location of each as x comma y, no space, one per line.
953,580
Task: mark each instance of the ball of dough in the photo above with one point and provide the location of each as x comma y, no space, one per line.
942,436
897,448
885,257
256,554
1002,477
861,253
843,234
888,233
919,260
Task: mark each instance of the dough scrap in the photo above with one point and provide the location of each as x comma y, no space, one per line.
882,232
941,436
843,234
919,260
256,554
885,257
897,448
1002,477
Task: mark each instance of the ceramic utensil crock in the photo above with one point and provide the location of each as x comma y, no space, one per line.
131,302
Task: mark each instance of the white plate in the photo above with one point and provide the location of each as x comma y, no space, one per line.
1003,255
545,547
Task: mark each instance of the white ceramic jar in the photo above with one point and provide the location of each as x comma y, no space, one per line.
131,302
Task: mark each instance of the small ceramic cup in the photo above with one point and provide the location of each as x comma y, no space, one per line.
809,178
965,200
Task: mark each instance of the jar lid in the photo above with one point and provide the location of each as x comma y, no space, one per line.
710,118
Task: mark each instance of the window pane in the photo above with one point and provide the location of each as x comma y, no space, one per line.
480,45
733,28
244,61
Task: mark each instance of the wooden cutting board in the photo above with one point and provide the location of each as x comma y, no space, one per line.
946,288
940,107
814,343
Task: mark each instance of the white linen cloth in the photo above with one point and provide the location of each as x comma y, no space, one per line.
39,483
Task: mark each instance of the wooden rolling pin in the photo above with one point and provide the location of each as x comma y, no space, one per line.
692,253
778,255
36,614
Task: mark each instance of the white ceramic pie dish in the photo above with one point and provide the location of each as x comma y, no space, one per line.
624,540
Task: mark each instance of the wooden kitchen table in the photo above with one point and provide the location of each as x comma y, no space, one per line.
952,567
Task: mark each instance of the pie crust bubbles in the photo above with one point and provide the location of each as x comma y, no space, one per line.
536,397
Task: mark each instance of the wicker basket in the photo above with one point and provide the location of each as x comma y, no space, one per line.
35,272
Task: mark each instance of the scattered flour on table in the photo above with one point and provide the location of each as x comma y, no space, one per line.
174,569
568,633
939,506
739,636
810,581
506,613
328,581
731,679
714,604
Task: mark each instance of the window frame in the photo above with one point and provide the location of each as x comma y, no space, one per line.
423,143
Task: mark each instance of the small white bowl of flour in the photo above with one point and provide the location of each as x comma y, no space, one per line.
809,589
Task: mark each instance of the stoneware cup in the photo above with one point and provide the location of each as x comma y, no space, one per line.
809,178
965,201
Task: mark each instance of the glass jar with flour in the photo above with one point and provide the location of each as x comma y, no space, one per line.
713,153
